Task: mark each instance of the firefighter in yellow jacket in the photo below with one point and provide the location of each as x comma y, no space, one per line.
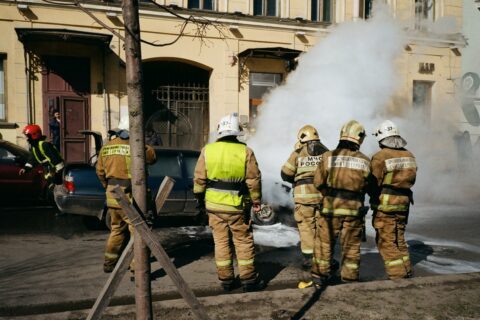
225,176
113,168
395,170
342,176
299,170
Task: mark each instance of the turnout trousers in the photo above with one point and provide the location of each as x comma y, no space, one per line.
328,229
305,216
120,233
390,239
233,233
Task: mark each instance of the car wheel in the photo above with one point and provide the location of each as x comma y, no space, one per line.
108,220
93,223
266,216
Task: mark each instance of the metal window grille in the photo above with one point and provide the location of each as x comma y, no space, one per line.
182,117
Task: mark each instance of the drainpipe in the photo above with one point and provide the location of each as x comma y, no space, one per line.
106,105
26,58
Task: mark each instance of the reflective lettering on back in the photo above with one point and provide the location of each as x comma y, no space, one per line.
400,163
116,150
309,161
349,163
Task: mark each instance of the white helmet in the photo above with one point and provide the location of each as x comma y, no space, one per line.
229,126
386,129
387,134
122,129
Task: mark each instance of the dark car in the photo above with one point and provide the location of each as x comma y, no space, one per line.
15,188
83,194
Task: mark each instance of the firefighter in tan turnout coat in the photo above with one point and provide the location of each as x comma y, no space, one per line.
226,175
113,168
395,170
299,170
342,176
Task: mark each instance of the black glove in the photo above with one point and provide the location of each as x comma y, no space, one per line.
200,197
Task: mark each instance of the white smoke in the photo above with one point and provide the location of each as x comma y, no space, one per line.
351,74
348,75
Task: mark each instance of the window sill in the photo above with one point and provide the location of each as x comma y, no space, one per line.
8,125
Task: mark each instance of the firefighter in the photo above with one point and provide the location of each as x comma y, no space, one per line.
226,177
342,176
395,170
44,153
299,170
113,168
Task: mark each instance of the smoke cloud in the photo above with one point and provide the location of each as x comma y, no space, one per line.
351,74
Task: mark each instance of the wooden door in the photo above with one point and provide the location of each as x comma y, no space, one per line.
74,113
66,88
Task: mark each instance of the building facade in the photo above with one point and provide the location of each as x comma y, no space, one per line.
68,57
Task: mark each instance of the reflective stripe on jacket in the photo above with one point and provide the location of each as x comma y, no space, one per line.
301,166
395,171
224,162
342,169
46,154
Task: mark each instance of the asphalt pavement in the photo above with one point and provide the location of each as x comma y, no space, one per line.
53,264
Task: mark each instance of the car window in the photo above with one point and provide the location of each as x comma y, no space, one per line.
6,156
190,162
166,165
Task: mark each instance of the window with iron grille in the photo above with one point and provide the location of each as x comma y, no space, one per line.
201,4
321,10
265,8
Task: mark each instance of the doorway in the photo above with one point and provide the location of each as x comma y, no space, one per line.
66,89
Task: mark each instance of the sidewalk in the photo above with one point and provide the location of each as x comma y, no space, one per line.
435,297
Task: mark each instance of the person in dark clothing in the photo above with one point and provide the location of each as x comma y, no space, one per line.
54,126
45,153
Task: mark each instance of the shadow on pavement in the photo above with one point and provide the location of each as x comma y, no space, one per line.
186,254
419,251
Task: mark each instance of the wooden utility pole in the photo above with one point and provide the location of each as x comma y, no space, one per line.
133,59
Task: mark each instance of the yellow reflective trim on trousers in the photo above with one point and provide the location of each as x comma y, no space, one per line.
340,212
245,262
351,265
307,251
223,263
406,258
321,262
394,263
109,255
393,207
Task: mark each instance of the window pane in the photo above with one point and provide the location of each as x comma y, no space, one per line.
165,166
314,16
193,4
257,7
208,4
271,8
327,10
2,89
190,163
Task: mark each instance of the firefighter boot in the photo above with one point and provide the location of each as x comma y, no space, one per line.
307,261
227,285
320,282
254,285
